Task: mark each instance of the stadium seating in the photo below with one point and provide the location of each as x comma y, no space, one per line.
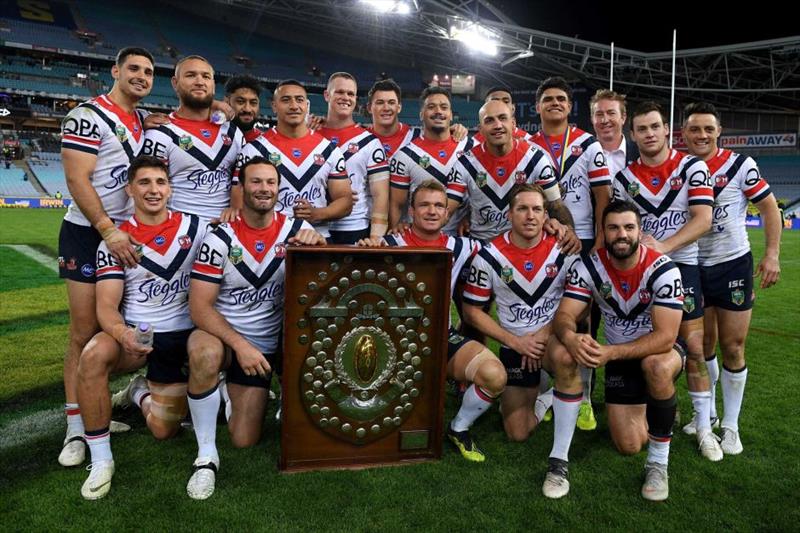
783,175
12,183
51,176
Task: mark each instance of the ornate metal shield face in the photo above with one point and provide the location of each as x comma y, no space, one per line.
367,334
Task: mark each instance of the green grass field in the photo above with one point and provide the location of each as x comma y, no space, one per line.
753,491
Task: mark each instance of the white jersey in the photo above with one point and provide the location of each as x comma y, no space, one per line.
463,249
392,143
584,167
200,156
626,297
485,181
248,263
102,128
664,195
157,289
422,160
366,163
305,165
736,181
527,283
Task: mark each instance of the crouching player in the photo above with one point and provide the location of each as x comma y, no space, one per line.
153,292
525,270
236,301
640,297
467,360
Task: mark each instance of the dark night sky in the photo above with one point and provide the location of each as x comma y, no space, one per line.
647,25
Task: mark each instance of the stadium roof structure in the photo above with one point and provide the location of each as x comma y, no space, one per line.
762,75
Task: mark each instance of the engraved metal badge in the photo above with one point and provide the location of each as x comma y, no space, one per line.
369,335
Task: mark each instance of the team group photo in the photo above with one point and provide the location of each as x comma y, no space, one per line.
244,274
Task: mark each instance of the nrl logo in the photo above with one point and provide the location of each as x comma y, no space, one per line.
235,255
425,161
480,179
737,296
121,133
507,275
688,304
605,290
633,189
185,142
275,159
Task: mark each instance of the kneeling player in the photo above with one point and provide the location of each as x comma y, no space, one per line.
155,292
467,360
639,294
236,302
524,269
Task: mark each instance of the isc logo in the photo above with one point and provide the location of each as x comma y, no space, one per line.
736,284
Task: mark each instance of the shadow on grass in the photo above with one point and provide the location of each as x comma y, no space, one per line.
27,323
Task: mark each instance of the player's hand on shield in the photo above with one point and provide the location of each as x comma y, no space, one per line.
307,237
315,122
458,132
372,241
219,105
121,245
253,362
229,214
770,271
131,347
154,120
463,227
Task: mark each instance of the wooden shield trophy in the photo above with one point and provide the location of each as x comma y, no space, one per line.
365,352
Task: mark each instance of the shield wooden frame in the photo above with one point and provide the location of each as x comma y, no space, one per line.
364,356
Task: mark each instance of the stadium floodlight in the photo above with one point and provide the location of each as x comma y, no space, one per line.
476,38
388,6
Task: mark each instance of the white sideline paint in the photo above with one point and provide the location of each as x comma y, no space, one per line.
31,427
44,260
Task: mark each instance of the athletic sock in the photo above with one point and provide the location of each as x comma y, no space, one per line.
701,401
713,376
204,408
733,382
99,442
543,403
74,420
475,402
660,417
586,379
139,396
565,414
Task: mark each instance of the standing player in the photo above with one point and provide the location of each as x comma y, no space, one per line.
639,293
674,195
153,292
467,360
584,180
485,175
384,103
524,269
200,155
608,115
502,94
236,302
365,161
314,185
99,139
726,264
243,94
430,156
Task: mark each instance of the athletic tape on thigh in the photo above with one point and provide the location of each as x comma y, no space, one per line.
475,363
174,407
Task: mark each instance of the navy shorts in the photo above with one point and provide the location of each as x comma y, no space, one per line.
348,237
236,375
454,342
169,360
625,383
77,252
518,376
729,285
692,291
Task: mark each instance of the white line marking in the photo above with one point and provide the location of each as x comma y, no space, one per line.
44,260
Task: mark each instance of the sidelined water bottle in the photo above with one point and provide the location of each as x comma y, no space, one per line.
144,334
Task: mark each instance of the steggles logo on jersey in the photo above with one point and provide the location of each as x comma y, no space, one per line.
121,134
425,161
551,270
280,250
275,159
235,255
507,275
633,189
605,290
480,179
675,184
259,246
737,296
520,177
185,242
644,296
186,143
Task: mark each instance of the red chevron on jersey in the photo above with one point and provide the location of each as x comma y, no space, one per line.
252,134
527,263
626,282
158,238
203,130
131,121
392,143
